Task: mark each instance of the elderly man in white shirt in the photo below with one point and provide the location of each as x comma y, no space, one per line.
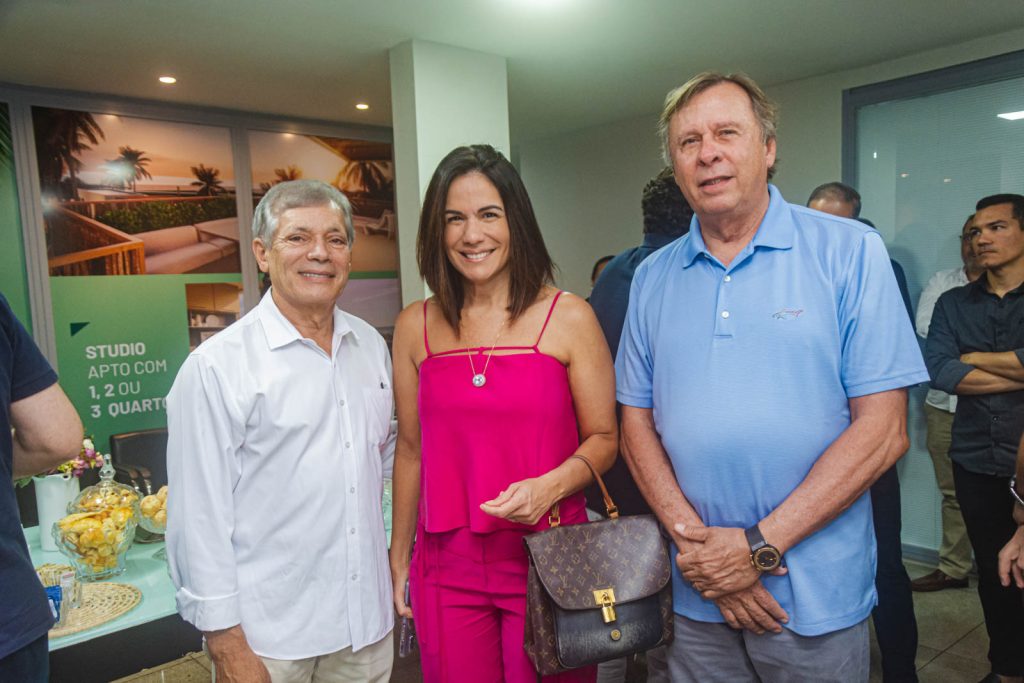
955,550
278,441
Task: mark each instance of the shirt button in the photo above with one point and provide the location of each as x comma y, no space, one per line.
728,278
995,418
355,577
725,314
352,531
351,489
348,444
342,401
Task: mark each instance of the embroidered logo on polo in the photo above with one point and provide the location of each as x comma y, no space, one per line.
787,313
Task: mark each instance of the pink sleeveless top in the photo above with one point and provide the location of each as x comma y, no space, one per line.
475,441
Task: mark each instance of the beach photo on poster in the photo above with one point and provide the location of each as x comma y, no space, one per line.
131,196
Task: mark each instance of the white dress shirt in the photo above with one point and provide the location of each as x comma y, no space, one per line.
940,282
275,462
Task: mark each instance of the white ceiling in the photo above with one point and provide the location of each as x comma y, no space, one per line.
572,63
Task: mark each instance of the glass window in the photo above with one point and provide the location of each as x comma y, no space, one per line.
927,148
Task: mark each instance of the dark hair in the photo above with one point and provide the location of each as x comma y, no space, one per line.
597,266
967,223
530,265
1016,201
838,191
665,209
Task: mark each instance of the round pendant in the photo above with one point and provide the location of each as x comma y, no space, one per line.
479,380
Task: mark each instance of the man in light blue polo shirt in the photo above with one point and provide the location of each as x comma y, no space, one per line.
762,370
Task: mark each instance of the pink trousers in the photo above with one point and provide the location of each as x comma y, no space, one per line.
468,596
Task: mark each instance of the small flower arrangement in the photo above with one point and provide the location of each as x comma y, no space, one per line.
88,458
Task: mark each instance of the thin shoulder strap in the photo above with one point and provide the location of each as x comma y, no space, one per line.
547,319
426,342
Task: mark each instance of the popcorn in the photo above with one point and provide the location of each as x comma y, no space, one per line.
96,537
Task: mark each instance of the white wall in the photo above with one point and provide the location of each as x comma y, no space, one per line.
585,188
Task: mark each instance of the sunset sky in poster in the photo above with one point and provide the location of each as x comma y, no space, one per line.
172,147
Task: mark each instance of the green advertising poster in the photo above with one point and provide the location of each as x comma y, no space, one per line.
121,340
13,283
143,252
144,249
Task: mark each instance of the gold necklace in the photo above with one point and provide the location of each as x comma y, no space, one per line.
480,378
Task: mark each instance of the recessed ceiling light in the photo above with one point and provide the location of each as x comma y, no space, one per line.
168,80
1012,115
904,175
947,180
362,106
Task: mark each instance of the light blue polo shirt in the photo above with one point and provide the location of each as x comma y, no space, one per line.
749,369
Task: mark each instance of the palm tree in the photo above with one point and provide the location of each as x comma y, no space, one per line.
363,176
61,135
293,172
134,164
207,181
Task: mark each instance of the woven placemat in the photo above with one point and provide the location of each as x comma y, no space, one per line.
101,602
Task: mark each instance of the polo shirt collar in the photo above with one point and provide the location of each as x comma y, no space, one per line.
775,232
281,332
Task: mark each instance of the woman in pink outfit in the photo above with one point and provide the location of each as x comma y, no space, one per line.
499,378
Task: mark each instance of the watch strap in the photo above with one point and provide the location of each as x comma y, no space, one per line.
755,539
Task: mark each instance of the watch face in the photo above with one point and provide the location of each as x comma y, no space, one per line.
766,558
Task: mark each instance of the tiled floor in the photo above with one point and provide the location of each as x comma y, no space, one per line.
952,644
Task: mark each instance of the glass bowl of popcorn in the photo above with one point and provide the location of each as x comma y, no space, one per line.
99,528
96,542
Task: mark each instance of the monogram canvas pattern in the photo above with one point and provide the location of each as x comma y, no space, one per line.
539,639
564,626
627,554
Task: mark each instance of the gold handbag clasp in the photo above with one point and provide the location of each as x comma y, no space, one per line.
606,599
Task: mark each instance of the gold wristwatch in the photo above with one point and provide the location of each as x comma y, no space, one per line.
764,556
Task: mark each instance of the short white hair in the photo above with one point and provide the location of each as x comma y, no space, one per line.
296,194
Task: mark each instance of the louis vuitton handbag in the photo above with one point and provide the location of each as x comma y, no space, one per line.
596,591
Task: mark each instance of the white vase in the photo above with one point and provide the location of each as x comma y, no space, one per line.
53,493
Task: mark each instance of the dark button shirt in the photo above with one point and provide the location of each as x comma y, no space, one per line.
987,427
609,299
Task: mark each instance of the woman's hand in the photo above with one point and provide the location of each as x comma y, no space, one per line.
399,578
524,501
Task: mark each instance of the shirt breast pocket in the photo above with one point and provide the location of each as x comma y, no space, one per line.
378,407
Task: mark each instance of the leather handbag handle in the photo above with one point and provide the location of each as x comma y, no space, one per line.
613,511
